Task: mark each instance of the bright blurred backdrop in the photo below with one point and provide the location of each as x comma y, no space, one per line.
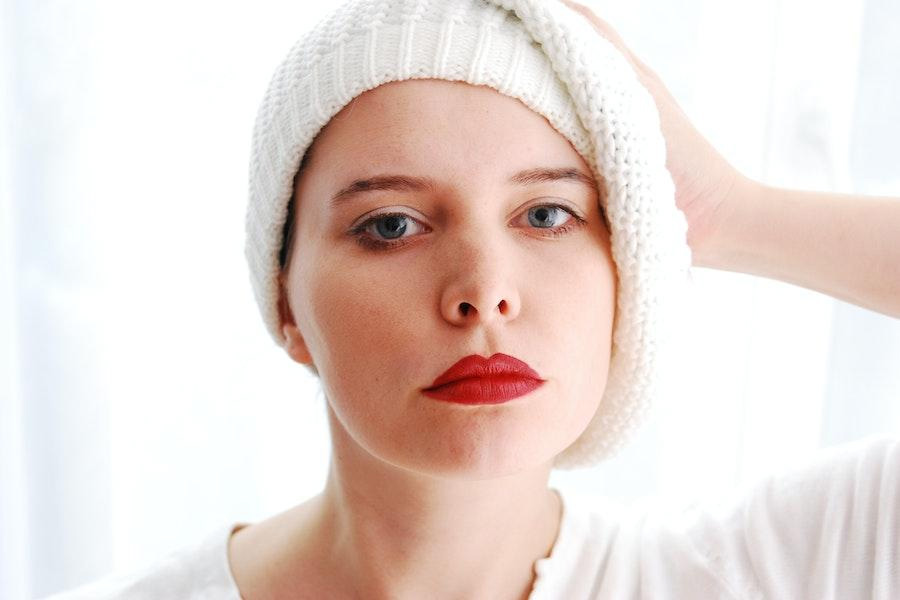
142,404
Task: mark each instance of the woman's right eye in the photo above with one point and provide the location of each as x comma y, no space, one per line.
384,231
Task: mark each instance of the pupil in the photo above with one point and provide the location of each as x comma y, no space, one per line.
394,224
543,215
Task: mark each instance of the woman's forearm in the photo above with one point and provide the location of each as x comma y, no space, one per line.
843,245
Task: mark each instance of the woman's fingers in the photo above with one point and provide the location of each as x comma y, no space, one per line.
606,30
646,75
703,178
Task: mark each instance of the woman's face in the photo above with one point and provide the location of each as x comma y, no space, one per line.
472,265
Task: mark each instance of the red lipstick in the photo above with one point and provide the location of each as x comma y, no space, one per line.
479,380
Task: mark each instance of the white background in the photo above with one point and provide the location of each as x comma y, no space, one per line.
143,405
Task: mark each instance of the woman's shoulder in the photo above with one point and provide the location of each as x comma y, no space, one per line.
803,528
826,527
197,571
860,476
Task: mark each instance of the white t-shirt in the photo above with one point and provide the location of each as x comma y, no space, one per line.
829,530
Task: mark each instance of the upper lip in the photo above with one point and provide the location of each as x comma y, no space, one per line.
478,366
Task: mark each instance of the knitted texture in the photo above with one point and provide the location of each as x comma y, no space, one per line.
551,59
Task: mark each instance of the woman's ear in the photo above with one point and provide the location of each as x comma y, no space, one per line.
292,341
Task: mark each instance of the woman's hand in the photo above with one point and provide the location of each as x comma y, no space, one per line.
842,245
703,179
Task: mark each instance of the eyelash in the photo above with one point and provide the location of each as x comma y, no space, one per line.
359,231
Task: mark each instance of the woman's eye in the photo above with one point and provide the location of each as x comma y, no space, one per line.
385,231
547,216
391,226
553,220
389,230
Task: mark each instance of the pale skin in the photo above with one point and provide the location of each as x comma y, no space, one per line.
424,500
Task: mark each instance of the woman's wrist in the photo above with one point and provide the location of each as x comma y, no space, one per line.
722,247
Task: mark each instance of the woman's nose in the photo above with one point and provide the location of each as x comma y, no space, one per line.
480,287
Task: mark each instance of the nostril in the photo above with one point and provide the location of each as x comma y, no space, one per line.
464,307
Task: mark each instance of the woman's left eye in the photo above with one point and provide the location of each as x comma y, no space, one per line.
387,230
548,216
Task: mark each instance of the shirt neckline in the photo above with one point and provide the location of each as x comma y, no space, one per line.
543,567
230,531
546,567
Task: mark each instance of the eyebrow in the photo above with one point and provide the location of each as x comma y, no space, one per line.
418,184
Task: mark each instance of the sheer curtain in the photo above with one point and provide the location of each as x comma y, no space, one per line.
141,401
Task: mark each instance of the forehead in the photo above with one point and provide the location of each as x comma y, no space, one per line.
433,124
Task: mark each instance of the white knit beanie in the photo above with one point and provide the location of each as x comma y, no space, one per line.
551,59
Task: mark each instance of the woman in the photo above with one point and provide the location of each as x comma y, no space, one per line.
476,262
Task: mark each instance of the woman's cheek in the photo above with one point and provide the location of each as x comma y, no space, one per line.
360,310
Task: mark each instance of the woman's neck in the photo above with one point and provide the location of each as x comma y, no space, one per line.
476,539
379,531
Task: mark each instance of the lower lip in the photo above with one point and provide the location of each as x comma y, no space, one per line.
484,390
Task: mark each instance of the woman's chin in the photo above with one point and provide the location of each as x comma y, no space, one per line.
469,458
